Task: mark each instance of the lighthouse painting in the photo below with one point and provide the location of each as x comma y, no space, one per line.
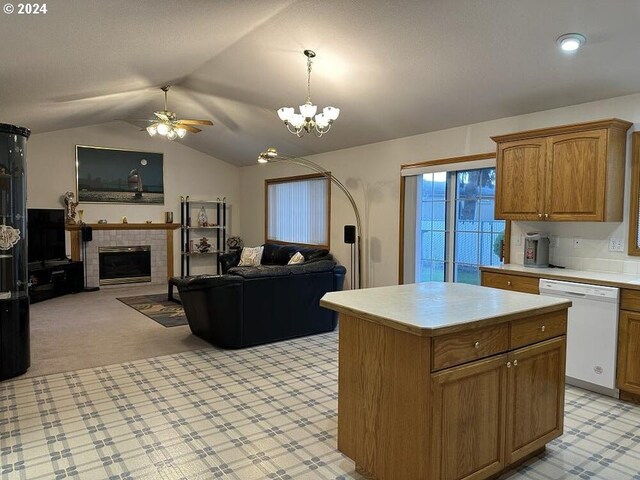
107,175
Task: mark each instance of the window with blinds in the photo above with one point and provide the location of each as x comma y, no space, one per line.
298,210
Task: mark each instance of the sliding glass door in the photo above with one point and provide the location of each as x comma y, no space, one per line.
455,231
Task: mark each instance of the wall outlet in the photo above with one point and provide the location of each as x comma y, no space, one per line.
518,242
577,243
616,244
554,241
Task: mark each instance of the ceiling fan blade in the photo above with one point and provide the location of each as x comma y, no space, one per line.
145,120
188,128
195,122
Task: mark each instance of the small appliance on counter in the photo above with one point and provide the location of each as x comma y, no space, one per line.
536,249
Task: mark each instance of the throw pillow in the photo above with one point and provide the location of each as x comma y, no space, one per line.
250,257
296,259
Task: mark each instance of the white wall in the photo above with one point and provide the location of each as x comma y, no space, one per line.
51,172
372,173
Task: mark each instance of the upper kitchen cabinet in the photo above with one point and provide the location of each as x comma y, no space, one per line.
567,173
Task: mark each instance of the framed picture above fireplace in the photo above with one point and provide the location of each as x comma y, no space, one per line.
110,175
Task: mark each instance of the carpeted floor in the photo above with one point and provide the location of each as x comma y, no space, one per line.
157,308
91,329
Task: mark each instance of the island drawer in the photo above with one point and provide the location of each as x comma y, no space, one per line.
470,345
507,281
542,327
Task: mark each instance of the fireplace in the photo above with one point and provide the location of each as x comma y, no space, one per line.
124,264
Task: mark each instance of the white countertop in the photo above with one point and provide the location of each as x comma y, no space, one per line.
436,308
623,280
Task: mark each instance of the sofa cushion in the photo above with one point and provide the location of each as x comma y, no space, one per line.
260,271
274,254
230,259
297,259
250,256
312,267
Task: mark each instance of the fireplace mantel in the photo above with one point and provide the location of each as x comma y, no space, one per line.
76,237
126,226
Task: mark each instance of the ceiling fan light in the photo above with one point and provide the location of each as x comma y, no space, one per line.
181,132
172,135
297,120
152,130
163,129
285,113
331,113
308,110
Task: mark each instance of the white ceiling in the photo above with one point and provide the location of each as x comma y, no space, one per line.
395,67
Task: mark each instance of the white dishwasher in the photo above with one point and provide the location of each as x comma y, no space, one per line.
592,333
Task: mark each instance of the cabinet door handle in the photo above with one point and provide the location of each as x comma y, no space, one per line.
476,345
546,215
508,364
539,215
542,328
515,363
509,282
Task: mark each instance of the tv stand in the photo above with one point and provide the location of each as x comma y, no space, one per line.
55,278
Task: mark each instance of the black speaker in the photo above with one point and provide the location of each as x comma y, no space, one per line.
87,234
350,234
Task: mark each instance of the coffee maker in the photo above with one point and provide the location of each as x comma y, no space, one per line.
536,249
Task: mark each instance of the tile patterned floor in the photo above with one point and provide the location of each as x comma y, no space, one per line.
262,413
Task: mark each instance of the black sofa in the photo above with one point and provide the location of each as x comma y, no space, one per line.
254,305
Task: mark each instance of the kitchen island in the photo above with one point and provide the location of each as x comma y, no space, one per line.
447,381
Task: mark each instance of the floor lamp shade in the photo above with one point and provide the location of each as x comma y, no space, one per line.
350,234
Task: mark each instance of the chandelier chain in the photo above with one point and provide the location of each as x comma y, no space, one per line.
308,79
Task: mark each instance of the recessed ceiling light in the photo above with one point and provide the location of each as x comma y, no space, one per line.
570,42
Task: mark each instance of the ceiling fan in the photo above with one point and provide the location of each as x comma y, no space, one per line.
169,125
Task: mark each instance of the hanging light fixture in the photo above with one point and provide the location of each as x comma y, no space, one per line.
167,124
307,121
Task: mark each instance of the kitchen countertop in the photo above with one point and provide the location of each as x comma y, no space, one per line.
620,280
437,308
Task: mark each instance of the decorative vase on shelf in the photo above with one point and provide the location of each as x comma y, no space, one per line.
203,221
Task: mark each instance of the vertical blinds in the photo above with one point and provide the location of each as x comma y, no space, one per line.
298,211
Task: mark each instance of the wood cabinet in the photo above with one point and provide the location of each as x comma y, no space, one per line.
469,405
567,173
535,398
628,371
500,410
509,281
402,415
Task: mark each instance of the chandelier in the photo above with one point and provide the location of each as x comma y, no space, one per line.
307,121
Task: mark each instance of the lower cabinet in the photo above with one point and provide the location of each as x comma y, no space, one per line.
628,375
496,411
535,398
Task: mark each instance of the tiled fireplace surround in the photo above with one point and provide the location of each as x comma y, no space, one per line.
156,239
158,236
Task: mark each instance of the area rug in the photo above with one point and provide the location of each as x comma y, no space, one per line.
157,308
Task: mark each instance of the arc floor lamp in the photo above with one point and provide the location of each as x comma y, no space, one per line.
271,155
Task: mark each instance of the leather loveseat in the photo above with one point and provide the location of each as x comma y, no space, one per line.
254,305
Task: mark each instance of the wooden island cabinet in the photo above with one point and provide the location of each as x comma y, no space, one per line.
447,381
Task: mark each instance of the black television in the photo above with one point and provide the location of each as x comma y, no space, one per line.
46,235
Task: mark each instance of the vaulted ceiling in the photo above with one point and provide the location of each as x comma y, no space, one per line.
395,68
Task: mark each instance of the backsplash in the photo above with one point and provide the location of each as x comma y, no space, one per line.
593,253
